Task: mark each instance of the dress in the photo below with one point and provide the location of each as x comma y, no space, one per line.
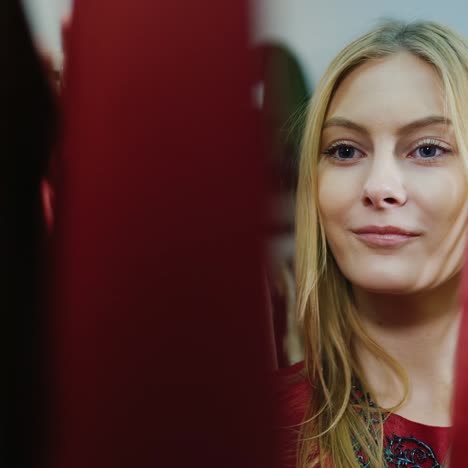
407,444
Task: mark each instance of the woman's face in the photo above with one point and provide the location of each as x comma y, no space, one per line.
392,187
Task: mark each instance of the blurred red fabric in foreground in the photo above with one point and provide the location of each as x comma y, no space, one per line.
162,335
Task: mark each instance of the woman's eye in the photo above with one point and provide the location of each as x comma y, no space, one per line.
429,151
343,152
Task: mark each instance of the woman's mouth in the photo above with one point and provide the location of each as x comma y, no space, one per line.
385,236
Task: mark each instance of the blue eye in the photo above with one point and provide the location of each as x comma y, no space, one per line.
429,150
346,152
342,152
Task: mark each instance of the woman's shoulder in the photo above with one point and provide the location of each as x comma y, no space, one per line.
292,394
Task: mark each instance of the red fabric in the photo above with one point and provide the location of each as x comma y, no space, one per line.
460,412
293,395
163,338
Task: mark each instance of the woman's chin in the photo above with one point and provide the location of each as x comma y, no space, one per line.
401,277
386,282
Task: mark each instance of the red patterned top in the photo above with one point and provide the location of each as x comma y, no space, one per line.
407,444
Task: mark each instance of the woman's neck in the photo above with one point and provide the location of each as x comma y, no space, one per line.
420,331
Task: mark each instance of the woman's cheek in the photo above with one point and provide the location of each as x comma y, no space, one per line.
339,190
440,194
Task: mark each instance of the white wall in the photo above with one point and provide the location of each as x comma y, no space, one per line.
317,29
45,19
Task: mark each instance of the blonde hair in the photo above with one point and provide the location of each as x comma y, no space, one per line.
335,425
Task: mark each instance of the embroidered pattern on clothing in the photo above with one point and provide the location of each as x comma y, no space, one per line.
399,451
404,452
409,452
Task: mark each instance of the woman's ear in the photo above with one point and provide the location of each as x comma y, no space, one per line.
48,199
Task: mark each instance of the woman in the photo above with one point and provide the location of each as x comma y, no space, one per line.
381,220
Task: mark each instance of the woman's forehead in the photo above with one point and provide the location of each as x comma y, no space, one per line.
398,89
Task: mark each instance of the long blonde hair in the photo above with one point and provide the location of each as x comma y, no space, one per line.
336,426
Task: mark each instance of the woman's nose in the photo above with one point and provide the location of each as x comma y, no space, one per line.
384,186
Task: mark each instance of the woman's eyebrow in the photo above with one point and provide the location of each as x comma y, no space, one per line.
424,122
345,123
416,124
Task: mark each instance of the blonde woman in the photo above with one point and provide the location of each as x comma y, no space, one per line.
381,221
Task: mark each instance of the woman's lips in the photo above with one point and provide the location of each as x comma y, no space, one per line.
384,236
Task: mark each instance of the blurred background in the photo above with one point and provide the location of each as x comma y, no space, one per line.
293,41
45,17
221,356
313,30
316,30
